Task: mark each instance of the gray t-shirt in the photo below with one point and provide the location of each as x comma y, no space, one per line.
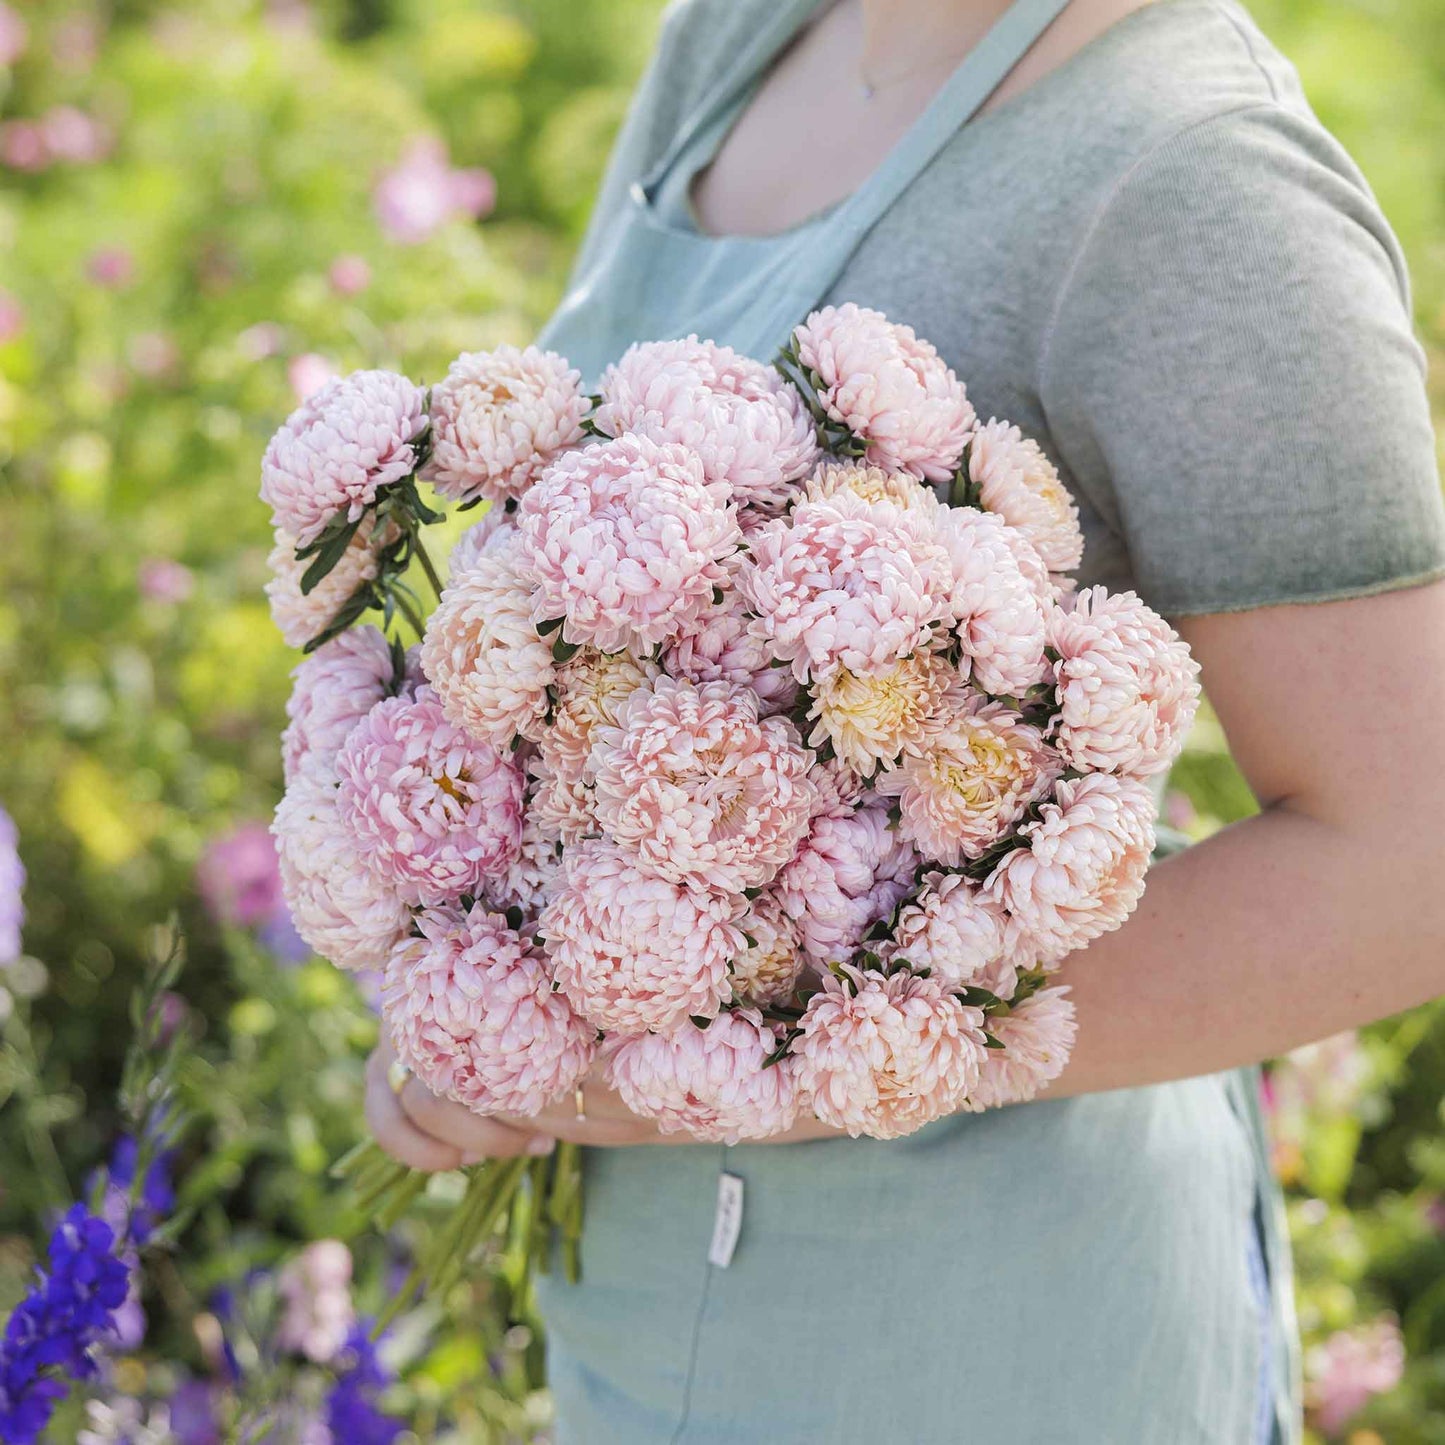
1158,263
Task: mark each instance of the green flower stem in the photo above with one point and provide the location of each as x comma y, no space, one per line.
424,557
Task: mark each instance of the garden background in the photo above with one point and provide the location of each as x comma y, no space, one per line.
205,209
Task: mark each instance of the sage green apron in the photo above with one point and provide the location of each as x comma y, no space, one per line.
1085,1271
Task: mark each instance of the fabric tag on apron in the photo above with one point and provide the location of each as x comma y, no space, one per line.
727,1223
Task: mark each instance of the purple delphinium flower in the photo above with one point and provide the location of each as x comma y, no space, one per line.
12,884
351,1410
156,1197
55,1328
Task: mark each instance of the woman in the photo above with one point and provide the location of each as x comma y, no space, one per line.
1123,227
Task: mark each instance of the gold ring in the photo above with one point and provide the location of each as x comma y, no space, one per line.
397,1074
579,1102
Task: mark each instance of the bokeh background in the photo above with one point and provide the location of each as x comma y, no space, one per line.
206,209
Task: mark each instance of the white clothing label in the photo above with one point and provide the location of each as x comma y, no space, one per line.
727,1222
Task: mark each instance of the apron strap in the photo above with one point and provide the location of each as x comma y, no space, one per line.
766,44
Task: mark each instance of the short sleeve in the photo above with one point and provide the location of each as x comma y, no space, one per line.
1230,374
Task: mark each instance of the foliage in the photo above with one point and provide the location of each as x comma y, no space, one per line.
162,297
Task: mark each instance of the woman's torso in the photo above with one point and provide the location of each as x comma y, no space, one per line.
1071,1271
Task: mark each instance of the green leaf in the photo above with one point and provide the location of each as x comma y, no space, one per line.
328,554
547,628
564,651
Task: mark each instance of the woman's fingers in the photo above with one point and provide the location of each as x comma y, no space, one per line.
473,1137
396,1134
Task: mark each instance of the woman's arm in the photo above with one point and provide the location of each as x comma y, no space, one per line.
1325,911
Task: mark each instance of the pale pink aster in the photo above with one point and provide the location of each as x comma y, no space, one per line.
1037,1037
315,1288
872,717
891,389
339,448
969,780
428,806
720,646
1019,483
496,528
957,933
884,1055
837,787
1127,685
634,952
771,964
482,652
499,417
996,606
562,804
712,1081
472,1013
749,426
339,907
851,871
846,582
1349,1368
1081,870
530,878
871,483
626,540
331,691
302,616
701,789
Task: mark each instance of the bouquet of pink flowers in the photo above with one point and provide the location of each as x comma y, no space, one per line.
757,753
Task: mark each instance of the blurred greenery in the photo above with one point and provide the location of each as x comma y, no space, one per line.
171,269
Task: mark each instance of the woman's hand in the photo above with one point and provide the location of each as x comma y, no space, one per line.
425,1132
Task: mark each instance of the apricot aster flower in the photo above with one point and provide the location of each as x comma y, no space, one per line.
712,1081
1082,869
338,448
969,780
955,931
884,1055
428,807
871,717
1019,483
338,906
472,1013
1037,1038
302,616
699,787
871,483
768,969
846,582
891,389
852,870
1128,687
482,652
499,417
634,952
331,691
996,605
496,529
589,692
749,426
626,540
